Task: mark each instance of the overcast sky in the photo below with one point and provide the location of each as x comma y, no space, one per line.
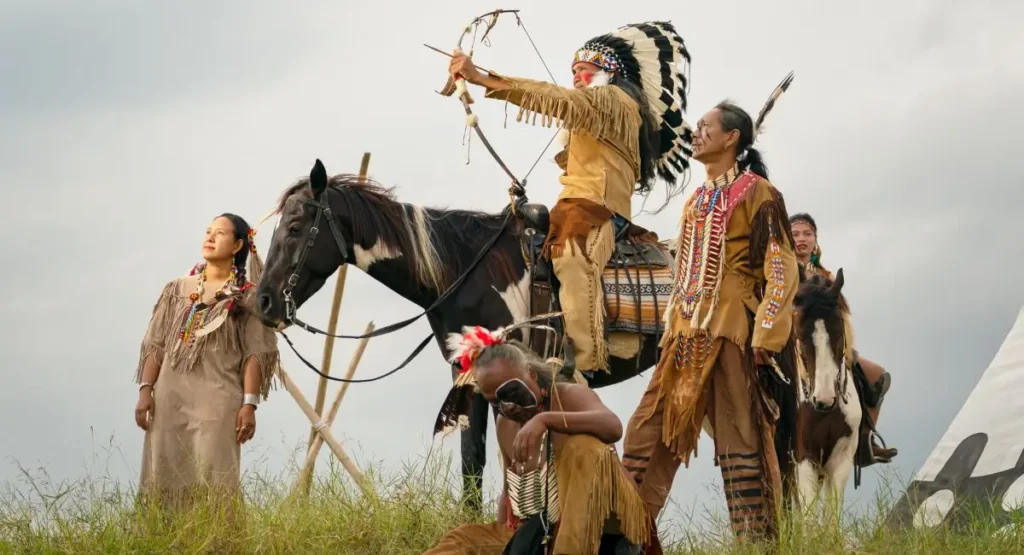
127,126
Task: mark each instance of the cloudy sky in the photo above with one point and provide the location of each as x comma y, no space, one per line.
127,126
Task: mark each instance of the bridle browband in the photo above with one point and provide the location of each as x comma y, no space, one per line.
323,210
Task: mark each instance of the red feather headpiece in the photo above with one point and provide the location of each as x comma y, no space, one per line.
468,346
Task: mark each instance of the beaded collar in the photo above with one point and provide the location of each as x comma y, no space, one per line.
725,179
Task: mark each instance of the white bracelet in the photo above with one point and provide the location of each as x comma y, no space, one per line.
144,384
251,399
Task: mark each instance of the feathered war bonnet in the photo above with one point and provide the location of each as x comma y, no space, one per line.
464,349
653,57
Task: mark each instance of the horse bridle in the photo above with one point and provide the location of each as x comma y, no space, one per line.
323,210
842,381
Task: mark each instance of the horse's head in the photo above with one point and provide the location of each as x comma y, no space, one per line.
821,324
306,248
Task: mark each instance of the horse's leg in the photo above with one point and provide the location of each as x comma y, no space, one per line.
474,453
837,472
807,485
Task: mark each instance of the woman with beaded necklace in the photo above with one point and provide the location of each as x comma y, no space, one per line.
205,362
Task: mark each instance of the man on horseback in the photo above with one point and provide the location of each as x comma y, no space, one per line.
730,317
624,131
808,253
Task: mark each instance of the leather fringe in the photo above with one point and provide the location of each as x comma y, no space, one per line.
572,219
606,113
770,222
592,485
163,336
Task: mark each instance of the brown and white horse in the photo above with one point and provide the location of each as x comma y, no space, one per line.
829,411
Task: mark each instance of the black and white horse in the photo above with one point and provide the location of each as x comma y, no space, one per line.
418,253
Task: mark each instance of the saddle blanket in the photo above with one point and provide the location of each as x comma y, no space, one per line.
636,297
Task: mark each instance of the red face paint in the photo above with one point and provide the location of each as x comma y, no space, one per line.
587,77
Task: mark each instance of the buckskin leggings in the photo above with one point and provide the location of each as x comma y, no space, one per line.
737,446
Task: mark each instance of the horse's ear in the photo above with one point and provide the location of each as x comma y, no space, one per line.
802,272
318,178
837,284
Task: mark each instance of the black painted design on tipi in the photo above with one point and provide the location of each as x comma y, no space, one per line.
971,493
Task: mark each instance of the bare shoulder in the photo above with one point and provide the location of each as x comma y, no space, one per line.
574,397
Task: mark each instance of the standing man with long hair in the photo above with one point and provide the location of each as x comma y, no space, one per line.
625,125
206,361
729,316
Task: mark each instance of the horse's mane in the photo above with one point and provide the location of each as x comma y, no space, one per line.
428,237
814,301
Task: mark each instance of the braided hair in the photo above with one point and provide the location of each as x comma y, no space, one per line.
747,157
242,233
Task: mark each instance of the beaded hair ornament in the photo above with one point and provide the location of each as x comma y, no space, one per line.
466,347
194,324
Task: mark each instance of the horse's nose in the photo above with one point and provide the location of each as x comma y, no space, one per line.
265,303
821,405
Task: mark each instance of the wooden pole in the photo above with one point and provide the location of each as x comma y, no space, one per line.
306,475
325,431
332,324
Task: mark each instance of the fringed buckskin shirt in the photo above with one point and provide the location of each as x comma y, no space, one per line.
755,256
601,163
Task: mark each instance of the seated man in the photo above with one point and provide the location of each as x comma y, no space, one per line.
808,253
564,489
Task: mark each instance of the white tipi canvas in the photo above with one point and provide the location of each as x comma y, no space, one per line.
979,462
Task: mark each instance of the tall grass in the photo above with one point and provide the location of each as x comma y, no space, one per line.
413,509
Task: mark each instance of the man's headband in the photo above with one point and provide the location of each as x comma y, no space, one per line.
598,54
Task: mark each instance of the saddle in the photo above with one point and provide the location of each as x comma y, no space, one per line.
637,281
629,252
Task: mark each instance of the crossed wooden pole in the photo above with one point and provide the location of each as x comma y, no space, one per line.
321,427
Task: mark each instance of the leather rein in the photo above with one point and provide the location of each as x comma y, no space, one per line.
323,210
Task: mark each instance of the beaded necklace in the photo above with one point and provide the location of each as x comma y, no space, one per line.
702,237
198,310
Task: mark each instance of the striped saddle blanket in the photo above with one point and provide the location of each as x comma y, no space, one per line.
637,285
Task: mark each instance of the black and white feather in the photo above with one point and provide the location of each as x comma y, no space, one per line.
770,103
654,57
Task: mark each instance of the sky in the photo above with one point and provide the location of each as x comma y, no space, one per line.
128,126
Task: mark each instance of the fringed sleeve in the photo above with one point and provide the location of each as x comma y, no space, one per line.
606,113
259,342
160,325
771,255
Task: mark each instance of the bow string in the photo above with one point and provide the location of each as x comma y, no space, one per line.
458,85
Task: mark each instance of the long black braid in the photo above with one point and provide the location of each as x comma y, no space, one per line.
242,256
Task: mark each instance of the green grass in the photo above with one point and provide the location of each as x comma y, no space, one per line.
414,508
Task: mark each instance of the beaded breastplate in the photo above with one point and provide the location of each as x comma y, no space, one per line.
527,493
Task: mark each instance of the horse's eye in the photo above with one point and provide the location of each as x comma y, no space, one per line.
293,230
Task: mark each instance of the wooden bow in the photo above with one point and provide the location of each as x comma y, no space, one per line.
453,85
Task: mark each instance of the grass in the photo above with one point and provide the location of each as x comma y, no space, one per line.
414,508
